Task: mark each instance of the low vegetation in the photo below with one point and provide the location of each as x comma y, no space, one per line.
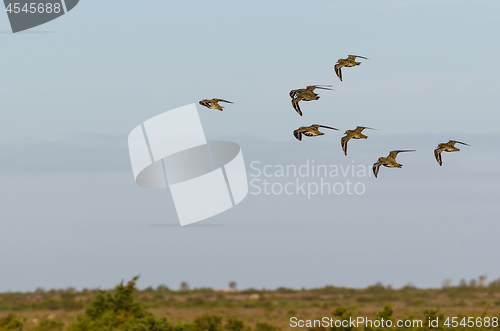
163,309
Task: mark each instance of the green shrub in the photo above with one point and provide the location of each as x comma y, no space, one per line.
50,325
208,323
265,327
234,324
118,310
362,299
431,315
343,313
194,301
11,323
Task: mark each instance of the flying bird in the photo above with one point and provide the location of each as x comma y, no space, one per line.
213,104
349,62
389,161
446,147
306,94
353,134
310,131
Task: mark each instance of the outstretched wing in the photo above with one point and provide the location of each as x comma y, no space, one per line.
337,68
222,100
298,134
376,167
205,103
343,143
323,87
393,154
295,104
361,128
324,126
457,142
437,155
353,57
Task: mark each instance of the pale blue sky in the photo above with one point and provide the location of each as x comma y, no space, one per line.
73,216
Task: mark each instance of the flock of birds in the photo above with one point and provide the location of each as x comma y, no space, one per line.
308,94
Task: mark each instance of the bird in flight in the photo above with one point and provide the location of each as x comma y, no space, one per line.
353,134
349,62
310,131
213,104
306,94
389,161
446,147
